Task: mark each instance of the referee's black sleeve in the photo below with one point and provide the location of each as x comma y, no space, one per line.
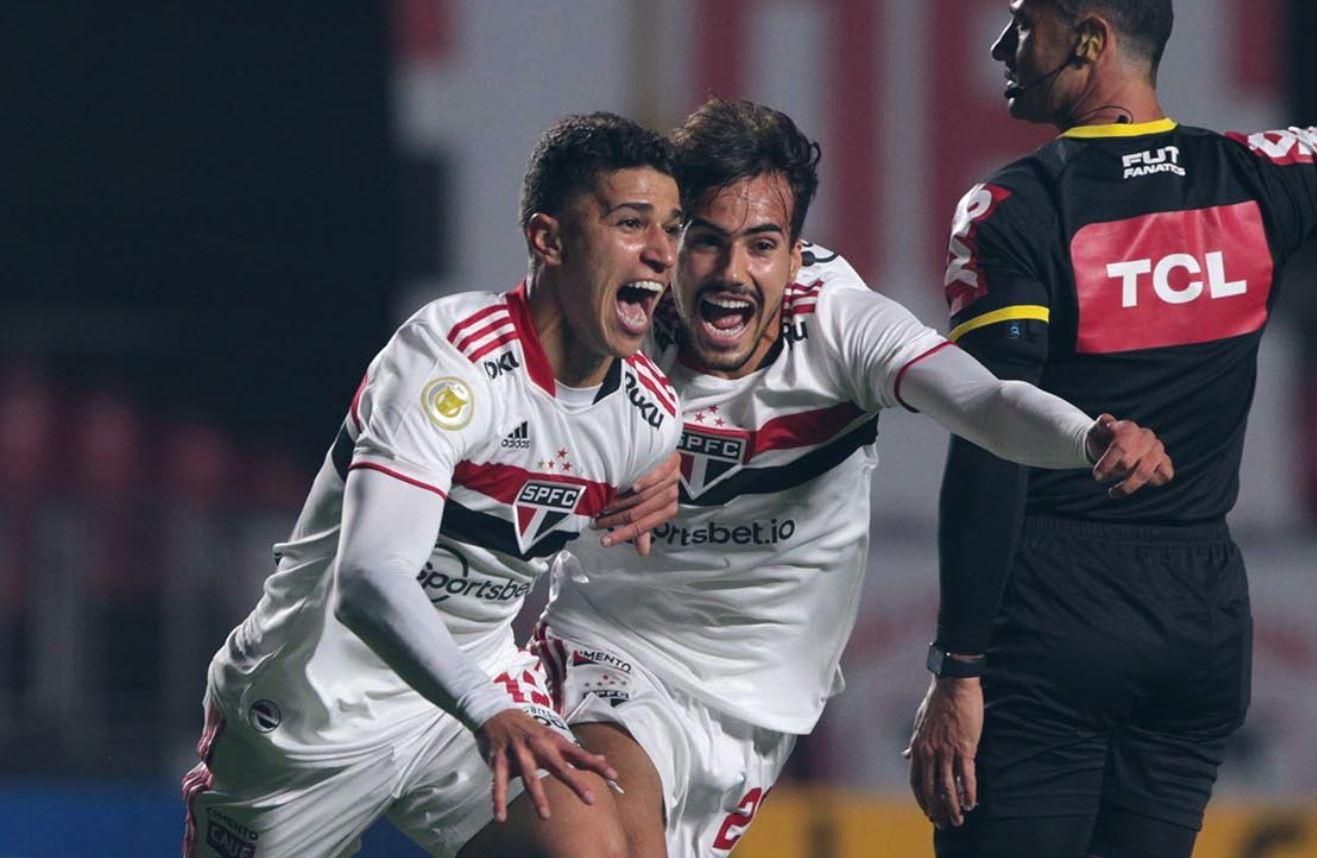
981,511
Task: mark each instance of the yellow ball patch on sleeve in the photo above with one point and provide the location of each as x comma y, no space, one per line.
448,402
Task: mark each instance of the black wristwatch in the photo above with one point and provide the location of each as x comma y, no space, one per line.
942,665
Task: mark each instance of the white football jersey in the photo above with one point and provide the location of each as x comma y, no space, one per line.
462,402
752,590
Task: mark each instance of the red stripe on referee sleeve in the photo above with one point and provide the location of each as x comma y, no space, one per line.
397,476
900,376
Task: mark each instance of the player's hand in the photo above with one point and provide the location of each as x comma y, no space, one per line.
1128,455
516,745
942,748
647,504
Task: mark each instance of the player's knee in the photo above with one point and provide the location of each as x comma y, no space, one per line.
603,838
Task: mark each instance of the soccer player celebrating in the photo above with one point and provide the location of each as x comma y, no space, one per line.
1129,265
378,676
695,670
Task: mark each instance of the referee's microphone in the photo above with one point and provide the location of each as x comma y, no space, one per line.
1018,89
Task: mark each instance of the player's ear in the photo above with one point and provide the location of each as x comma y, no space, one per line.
544,237
797,248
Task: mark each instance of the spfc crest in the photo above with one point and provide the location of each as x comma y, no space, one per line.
709,455
540,505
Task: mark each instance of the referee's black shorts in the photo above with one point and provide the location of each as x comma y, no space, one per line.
1120,665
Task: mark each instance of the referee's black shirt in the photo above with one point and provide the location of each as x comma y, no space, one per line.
1129,269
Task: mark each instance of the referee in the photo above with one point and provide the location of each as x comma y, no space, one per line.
1128,266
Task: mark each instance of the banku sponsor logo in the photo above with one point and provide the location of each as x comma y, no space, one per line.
1155,280
649,409
598,656
560,497
712,533
719,447
1146,163
440,586
506,362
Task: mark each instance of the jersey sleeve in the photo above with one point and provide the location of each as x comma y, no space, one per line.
422,409
994,291
873,337
1000,313
1290,179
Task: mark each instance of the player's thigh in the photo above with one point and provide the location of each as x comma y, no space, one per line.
257,803
640,804
574,829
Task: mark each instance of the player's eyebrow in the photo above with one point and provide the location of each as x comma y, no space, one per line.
635,205
697,222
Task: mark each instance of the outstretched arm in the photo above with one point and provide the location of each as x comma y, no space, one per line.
389,528
982,506
1017,421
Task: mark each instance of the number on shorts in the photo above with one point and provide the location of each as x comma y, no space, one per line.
739,820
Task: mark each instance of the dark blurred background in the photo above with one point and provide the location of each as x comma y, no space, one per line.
213,215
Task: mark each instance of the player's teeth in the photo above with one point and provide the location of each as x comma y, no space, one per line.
729,303
647,285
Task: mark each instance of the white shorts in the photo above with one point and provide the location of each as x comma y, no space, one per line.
247,799
716,769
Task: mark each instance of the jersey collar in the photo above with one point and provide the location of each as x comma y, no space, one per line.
1121,129
537,362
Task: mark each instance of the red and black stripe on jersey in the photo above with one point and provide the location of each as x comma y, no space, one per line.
1132,269
501,483
717,462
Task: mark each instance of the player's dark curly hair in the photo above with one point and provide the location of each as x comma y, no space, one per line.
572,153
725,141
1146,24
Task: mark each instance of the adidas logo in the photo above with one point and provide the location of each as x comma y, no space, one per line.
519,438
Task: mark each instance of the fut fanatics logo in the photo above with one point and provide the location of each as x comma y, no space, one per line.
518,439
1163,160
541,505
708,456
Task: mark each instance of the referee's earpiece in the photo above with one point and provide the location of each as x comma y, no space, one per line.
1086,49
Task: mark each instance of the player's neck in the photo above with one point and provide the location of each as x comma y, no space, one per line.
1124,101
573,363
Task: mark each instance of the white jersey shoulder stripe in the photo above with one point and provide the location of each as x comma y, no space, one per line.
484,331
654,381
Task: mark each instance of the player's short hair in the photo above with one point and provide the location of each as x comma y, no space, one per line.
1145,24
723,142
572,153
